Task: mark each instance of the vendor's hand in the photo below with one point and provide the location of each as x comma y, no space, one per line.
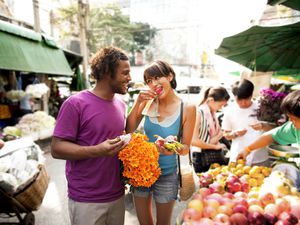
257,126
1,143
111,147
240,133
215,139
219,146
243,155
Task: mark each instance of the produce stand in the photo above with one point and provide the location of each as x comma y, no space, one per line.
240,194
19,202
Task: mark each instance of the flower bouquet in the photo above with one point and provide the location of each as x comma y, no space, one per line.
269,106
140,161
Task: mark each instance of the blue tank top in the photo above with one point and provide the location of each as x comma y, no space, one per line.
167,163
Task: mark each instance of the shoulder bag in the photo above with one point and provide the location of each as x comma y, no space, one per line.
185,173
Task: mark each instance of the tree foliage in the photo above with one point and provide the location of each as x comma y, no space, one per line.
107,26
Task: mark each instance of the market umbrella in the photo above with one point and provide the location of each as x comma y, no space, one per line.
263,48
294,4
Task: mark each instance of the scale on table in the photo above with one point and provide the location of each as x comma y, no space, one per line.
286,159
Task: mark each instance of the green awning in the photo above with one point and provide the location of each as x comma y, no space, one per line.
25,50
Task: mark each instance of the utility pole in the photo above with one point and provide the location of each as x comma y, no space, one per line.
83,9
36,14
51,23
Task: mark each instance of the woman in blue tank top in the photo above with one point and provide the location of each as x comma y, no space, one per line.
163,119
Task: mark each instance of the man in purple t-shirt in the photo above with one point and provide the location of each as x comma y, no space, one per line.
87,134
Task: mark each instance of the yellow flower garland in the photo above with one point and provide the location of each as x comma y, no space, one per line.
140,161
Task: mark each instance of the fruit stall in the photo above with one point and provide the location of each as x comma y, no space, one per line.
240,194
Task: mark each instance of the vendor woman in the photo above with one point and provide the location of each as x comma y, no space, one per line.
288,133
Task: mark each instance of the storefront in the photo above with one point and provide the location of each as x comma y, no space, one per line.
28,61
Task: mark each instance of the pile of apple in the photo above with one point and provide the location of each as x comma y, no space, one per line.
234,177
241,208
225,198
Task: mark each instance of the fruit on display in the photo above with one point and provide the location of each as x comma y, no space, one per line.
271,199
206,179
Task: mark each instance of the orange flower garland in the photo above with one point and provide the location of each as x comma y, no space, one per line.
140,161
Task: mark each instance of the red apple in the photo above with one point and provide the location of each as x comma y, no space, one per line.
209,212
191,215
288,218
256,218
272,209
254,201
222,218
196,204
225,200
255,208
204,191
238,219
215,196
240,209
267,198
283,204
225,209
221,177
212,202
205,221
216,187
235,187
228,195
270,219
245,187
240,201
253,194
232,179
295,210
240,194
205,179
197,196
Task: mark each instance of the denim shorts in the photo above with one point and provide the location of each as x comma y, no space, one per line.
164,190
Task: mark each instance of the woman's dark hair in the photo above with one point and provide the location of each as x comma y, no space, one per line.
217,93
160,69
243,89
106,61
291,103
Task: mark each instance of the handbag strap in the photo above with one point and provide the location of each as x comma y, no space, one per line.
179,135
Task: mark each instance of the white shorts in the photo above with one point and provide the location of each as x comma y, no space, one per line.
109,213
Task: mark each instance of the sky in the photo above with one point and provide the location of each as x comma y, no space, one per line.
219,18
216,14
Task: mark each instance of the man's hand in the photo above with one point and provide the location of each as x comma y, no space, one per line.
111,147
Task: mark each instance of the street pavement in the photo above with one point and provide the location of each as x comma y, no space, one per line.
54,209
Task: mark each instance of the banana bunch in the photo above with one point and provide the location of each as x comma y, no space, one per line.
169,143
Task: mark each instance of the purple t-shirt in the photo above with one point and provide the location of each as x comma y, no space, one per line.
86,119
